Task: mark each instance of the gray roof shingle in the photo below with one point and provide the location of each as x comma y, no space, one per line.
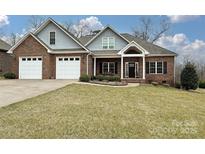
4,46
104,52
150,47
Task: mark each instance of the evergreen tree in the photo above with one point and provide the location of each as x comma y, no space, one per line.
189,77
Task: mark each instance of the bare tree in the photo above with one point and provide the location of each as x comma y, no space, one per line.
34,22
68,25
148,32
13,38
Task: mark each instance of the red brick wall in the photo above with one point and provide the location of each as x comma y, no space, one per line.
5,62
31,47
169,77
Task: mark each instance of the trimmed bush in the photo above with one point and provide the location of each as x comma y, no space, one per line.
107,78
114,78
84,78
202,84
9,75
100,77
178,85
189,77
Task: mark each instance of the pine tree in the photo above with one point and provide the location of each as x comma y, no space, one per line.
189,77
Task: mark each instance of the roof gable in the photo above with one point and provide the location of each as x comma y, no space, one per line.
133,44
102,31
150,47
24,38
69,35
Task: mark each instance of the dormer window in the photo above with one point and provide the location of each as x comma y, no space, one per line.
108,42
52,38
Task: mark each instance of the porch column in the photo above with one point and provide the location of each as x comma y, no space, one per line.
121,67
94,71
143,73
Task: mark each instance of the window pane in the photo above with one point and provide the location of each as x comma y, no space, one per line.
112,68
105,68
159,67
147,67
126,70
105,42
111,43
165,67
52,37
152,67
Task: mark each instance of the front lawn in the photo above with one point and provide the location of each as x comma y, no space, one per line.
1,76
86,111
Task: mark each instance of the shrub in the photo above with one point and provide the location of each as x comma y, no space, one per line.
84,78
178,85
114,78
189,77
9,75
202,84
107,78
100,77
93,77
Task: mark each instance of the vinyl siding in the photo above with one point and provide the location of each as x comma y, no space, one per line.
97,43
62,41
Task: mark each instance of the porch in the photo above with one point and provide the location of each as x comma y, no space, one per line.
129,64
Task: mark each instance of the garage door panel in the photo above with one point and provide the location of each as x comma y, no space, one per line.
67,67
30,68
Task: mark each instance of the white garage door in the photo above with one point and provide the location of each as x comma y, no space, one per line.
67,67
30,68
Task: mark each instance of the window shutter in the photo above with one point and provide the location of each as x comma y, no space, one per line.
165,67
100,68
116,67
147,67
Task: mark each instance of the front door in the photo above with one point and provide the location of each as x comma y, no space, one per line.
131,70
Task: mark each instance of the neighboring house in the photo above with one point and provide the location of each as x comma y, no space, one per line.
5,58
53,53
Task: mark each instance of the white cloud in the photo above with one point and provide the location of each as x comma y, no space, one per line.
4,20
182,18
85,26
179,43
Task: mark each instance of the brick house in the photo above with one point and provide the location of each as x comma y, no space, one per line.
51,52
5,58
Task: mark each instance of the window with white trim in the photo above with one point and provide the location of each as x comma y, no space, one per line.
108,68
108,42
52,38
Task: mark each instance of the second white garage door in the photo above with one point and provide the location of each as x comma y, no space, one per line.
67,67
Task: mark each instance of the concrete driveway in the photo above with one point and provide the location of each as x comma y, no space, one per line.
12,91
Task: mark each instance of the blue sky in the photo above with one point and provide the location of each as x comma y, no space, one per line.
194,29
185,37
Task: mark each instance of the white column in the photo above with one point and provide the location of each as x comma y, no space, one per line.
121,67
94,71
143,73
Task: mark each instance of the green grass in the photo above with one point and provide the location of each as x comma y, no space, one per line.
85,111
1,76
